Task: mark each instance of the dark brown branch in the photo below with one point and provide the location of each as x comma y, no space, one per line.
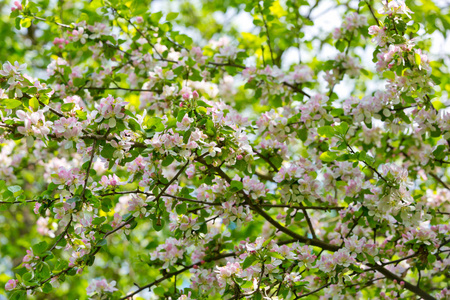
264,176
123,89
304,207
297,89
399,260
266,159
372,13
440,181
313,292
416,290
308,220
227,65
19,202
262,213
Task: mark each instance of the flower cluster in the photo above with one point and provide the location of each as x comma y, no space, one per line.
100,286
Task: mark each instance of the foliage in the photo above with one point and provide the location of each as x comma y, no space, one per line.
170,155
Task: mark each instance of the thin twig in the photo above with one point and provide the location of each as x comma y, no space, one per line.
88,170
313,292
267,33
372,13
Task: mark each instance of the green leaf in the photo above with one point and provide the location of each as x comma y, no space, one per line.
257,22
108,151
181,115
73,199
17,23
258,296
431,258
436,79
210,129
343,128
328,156
39,248
47,288
25,23
236,186
249,260
340,45
326,131
155,17
134,125
11,103
167,161
303,134
171,16
98,220
82,115
181,208
14,188
159,291
34,103
417,58
362,156
439,152
436,132
186,136
201,110
276,255
102,242
276,160
160,226
389,75
155,122
203,103
18,295
67,106
27,276
337,112
404,117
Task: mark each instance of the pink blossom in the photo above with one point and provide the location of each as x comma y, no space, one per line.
11,284
79,35
34,123
98,29
100,286
17,6
37,205
60,42
394,7
190,171
67,127
169,252
212,149
185,123
109,108
257,245
109,181
225,273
